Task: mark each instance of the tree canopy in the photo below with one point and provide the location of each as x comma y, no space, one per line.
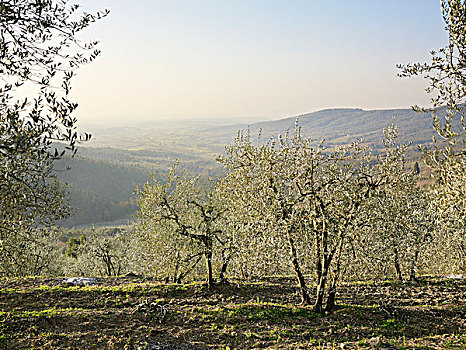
39,52
446,77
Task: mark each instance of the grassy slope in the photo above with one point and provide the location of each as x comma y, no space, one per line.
128,312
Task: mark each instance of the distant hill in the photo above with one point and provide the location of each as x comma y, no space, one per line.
342,126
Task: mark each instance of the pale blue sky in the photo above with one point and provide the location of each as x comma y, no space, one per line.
254,58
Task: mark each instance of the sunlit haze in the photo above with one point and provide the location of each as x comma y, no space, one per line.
253,59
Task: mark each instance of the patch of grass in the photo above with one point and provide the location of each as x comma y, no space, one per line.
391,324
47,313
270,312
457,342
3,330
12,291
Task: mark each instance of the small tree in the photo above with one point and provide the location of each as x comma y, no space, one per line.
183,222
400,218
73,246
103,251
108,252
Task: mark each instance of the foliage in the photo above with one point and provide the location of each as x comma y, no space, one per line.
446,73
182,223
73,245
304,196
39,51
39,45
446,77
400,219
30,201
96,251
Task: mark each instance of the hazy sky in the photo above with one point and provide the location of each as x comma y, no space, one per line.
253,58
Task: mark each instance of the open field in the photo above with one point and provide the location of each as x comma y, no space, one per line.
138,313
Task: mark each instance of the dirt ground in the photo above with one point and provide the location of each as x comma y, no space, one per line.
139,313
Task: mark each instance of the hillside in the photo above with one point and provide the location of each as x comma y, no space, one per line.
340,126
100,191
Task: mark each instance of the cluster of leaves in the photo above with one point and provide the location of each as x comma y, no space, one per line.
30,201
39,46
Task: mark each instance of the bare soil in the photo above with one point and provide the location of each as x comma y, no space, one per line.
140,313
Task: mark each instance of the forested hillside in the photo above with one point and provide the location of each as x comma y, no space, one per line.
100,191
102,181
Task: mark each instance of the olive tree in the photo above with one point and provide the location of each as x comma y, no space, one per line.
31,199
39,53
400,218
303,192
446,77
183,223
